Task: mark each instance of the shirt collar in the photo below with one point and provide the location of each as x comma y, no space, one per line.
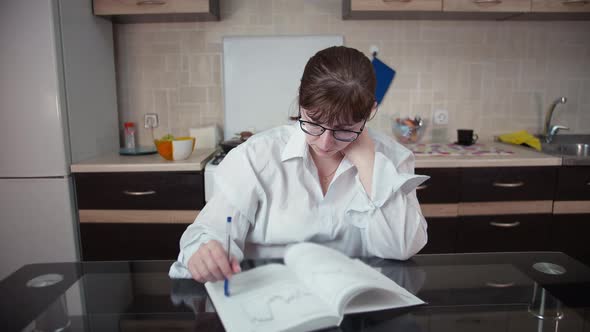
296,146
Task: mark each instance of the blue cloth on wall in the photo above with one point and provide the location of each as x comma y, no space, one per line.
385,75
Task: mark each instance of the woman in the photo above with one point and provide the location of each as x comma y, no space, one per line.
324,179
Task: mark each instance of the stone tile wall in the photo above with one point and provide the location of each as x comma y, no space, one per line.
494,77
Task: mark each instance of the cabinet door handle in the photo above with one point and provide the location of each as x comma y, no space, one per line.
422,186
575,2
150,2
500,284
139,193
505,224
487,2
508,184
588,183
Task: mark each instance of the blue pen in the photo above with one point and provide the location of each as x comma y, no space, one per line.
228,232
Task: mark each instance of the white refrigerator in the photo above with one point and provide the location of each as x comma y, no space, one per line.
57,106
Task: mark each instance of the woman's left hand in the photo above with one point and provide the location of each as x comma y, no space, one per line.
361,152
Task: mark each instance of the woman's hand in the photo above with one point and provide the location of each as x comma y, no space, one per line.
210,263
361,154
361,151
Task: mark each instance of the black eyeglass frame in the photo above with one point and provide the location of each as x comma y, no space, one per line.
358,133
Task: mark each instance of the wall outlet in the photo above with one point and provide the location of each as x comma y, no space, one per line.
150,120
440,117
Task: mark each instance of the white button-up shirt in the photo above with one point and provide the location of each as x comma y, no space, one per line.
269,185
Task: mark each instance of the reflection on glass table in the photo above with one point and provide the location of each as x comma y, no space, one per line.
464,292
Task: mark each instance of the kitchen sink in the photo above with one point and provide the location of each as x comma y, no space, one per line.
574,149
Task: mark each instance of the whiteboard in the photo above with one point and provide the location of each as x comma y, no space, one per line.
261,78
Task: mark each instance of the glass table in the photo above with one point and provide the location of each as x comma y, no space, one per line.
529,291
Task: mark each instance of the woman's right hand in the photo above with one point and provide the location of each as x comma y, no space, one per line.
210,263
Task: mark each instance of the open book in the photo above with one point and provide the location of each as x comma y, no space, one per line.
313,290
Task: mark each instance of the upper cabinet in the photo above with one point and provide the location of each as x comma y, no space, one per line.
560,6
559,10
396,5
133,11
390,9
513,6
467,9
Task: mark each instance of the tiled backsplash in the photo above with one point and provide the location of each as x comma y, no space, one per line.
494,77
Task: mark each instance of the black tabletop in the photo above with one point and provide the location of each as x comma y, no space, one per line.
533,291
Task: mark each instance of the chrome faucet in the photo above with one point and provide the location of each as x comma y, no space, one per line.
549,131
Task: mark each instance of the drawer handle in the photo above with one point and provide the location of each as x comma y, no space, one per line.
150,2
575,2
139,193
505,224
508,184
422,186
588,183
397,0
499,284
487,2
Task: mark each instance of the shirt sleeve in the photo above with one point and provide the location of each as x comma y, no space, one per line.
234,196
390,218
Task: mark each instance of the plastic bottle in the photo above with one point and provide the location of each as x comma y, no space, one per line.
129,135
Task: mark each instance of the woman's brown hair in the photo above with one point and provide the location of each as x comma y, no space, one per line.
338,86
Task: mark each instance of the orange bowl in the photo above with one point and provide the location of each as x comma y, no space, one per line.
178,149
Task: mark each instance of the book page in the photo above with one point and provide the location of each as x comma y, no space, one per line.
386,294
337,279
270,298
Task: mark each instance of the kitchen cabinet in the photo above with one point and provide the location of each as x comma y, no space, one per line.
390,9
142,11
570,235
560,6
466,9
140,190
558,10
571,212
442,235
514,6
392,5
505,208
442,187
519,232
573,184
484,9
136,215
438,198
507,183
476,209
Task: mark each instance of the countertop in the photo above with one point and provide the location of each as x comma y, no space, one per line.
464,292
143,163
512,155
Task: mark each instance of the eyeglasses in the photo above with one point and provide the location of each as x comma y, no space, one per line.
342,135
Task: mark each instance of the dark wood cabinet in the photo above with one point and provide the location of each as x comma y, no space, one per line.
573,183
571,233
571,212
507,183
442,187
524,232
141,190
136,215
483,209
123,241
442,233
